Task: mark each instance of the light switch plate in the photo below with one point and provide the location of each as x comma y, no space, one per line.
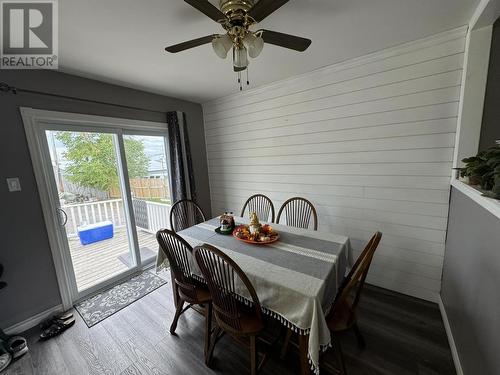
13,184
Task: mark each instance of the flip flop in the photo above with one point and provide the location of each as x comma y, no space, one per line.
17,346
58,327
62,316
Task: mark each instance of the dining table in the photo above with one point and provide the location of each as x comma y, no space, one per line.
296,278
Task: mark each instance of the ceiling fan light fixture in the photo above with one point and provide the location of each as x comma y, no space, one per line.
240,59
237,18
221,45
254,44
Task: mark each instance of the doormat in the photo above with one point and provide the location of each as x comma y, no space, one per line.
101,306
147,255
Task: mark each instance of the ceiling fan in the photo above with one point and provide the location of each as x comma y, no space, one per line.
237,17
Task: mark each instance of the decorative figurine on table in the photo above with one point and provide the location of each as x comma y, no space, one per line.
226,223
256,233
254,223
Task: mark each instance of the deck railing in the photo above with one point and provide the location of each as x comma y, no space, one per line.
158,216
112,210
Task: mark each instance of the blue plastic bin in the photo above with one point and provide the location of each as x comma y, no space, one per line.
95,232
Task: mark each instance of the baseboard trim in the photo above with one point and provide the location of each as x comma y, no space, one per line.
32,321
451,340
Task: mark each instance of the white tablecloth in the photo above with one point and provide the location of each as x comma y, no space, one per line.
296,278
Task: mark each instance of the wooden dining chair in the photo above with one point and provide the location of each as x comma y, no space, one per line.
226,281
186,288
261,205
342,315
184,214
298,213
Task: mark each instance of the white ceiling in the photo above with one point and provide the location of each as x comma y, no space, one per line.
122,41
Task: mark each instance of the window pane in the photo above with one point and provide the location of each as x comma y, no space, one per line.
148,174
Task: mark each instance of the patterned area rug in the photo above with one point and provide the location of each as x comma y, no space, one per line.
103,305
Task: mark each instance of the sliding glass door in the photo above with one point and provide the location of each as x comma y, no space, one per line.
111,194
92,205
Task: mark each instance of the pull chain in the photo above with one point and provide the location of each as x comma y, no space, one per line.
239,79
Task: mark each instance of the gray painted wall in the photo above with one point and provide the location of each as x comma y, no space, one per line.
471,281
24,247
490,128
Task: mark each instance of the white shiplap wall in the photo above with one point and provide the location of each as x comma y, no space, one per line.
369,141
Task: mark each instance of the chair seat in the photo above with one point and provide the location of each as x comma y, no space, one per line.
344,318
202,293
249,322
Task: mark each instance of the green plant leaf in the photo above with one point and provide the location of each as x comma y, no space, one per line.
92,159
471,159
493,161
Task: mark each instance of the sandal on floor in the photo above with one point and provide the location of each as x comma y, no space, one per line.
58,327
62,316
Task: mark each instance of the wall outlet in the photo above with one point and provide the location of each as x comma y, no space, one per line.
14,184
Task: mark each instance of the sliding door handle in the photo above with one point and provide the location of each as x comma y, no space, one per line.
63,216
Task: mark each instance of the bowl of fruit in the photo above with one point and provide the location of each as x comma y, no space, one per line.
265,235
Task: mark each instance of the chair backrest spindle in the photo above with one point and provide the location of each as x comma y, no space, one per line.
261,205
298,213
355,280
226,281
184,214
179,255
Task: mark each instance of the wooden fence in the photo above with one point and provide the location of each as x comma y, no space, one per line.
70,187
145,188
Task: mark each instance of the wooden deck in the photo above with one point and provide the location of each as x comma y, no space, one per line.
99,261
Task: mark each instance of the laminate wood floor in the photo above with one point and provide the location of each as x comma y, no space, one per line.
404,336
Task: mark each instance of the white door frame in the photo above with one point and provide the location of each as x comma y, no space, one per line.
35,122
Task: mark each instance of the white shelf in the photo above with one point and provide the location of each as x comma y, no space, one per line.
490,204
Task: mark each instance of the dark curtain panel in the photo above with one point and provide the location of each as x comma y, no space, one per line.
181,166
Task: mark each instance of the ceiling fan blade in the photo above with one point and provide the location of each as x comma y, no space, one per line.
264,8
208,9
190,44
286,40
